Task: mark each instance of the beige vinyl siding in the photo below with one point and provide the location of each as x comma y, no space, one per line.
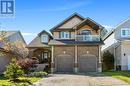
125,49
56,34
118,30
118,54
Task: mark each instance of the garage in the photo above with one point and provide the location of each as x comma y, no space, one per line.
87,63
64,63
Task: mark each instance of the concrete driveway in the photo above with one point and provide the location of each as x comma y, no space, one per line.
80,80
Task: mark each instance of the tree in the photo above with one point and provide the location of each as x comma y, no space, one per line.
14,49
13,71
103,32
108,61
27,64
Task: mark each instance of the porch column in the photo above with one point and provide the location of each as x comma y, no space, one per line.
99,61
76,61
52,59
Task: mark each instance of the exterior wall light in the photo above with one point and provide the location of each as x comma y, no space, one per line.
64,52
124,54
87,52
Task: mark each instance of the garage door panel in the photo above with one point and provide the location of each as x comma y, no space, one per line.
65,63
87,64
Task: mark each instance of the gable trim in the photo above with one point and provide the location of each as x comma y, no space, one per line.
67,19
100,26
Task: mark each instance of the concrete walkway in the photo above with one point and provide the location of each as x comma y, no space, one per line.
80,80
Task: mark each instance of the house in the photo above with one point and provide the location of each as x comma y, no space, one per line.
11,36
117,42
74,45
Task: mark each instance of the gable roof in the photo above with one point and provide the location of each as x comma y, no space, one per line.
116,27
11,33
36,43
8,33
108,34
123,22
67,19
46,33
90,20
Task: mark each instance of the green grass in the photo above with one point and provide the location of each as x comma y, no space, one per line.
122,75
23,81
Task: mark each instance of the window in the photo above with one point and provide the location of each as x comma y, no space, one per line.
125,32
44,38
86,32
45,55
64,35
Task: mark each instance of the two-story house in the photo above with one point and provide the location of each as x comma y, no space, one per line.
117,42
73,47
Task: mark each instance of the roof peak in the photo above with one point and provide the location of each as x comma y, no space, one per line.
67,19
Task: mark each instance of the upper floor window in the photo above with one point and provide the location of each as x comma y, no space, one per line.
125,32
86,32
64,35
44,38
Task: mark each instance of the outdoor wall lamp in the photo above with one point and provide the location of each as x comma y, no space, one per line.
124,54
87,52
64,52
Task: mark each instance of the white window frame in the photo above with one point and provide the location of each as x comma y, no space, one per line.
126,34
44,40
63,35
45,55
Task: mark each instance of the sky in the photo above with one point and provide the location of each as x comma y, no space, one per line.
33,16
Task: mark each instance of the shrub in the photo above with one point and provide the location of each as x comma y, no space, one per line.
13,71
39,74
108,61
26,64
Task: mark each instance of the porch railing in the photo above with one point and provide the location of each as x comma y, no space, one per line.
88,38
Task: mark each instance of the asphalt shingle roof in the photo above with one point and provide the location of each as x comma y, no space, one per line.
37,43
73,42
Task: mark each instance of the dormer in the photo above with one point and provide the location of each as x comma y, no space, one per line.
44,36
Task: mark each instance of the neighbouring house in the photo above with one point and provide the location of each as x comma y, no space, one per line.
117,42
12,37
74,46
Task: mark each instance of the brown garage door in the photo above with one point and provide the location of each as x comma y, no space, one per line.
64,63
87,63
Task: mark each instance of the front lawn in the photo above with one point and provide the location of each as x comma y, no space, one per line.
122,75
23,81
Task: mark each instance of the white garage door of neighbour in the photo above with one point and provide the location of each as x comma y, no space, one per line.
128,62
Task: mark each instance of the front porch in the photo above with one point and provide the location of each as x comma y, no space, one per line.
44,57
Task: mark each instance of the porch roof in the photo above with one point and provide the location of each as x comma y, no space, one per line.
73,42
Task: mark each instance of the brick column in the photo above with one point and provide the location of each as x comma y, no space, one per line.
76,61
31,53
99,60
52,59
